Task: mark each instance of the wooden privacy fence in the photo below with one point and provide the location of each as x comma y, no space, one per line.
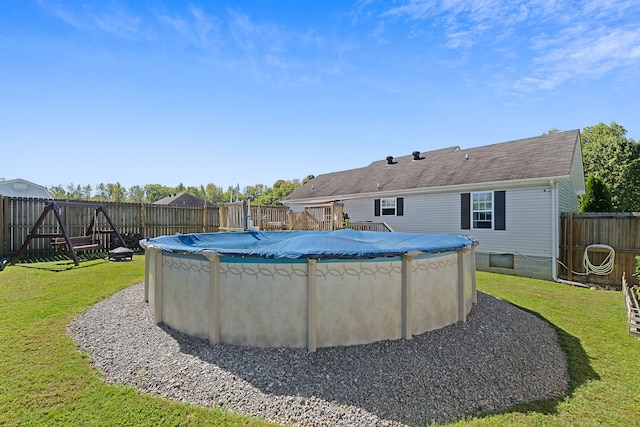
321,217
18,215
369,226
621,231
233,217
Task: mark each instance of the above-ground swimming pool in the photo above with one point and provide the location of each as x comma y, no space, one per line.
309,289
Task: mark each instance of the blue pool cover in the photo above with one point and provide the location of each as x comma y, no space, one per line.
344,243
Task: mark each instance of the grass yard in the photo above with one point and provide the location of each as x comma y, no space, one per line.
45,381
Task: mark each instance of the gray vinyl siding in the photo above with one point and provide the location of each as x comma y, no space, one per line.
568,190
567,197
528,224
297,207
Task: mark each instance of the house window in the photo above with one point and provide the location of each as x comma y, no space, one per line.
482,209
389,206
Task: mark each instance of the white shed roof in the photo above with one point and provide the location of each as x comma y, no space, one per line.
23,188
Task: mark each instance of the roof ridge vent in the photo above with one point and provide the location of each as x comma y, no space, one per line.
416,155
390,160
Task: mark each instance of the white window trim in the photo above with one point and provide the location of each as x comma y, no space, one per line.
474,210
392,204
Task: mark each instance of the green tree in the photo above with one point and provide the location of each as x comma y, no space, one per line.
78,192
136,194
102,194
594,134
615,159
597,197
253,192
214,194
116,192
279,191
155,192
58,192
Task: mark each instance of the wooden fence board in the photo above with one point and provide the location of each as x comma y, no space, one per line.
18,215
3,227
633,308
621,231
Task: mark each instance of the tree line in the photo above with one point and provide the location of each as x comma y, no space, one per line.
115,192
612,169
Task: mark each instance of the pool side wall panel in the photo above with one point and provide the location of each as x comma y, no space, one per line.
185,295
435,292
267,303
358,302
263,304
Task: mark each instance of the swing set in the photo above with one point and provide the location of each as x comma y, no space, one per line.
61,240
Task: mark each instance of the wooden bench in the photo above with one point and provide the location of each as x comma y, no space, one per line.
80,243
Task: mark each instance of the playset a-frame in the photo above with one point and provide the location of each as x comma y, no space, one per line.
62,240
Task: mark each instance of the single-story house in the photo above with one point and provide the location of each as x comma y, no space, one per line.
23,188
508,195
182,199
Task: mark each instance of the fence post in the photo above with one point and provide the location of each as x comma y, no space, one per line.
143,220
259,218
569,240
204,217
222,212
3,220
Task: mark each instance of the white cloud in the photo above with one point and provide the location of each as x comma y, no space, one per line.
118,22
57,10
552,41
583,53
203,25
115,20
414,9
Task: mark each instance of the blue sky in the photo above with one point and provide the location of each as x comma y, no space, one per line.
164,92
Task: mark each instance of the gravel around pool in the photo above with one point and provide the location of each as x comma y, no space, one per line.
501,356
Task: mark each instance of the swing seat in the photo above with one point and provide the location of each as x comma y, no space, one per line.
80,243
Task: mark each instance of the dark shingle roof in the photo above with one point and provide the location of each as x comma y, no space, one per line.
538,157
182,199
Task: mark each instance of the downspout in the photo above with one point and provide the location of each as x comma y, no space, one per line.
554,230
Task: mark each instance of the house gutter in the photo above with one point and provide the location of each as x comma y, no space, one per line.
431,190
554,229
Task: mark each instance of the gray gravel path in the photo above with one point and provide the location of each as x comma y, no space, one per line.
501,356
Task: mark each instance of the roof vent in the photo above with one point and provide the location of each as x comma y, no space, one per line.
416,156
390,160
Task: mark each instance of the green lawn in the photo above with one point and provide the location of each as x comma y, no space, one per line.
45,381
